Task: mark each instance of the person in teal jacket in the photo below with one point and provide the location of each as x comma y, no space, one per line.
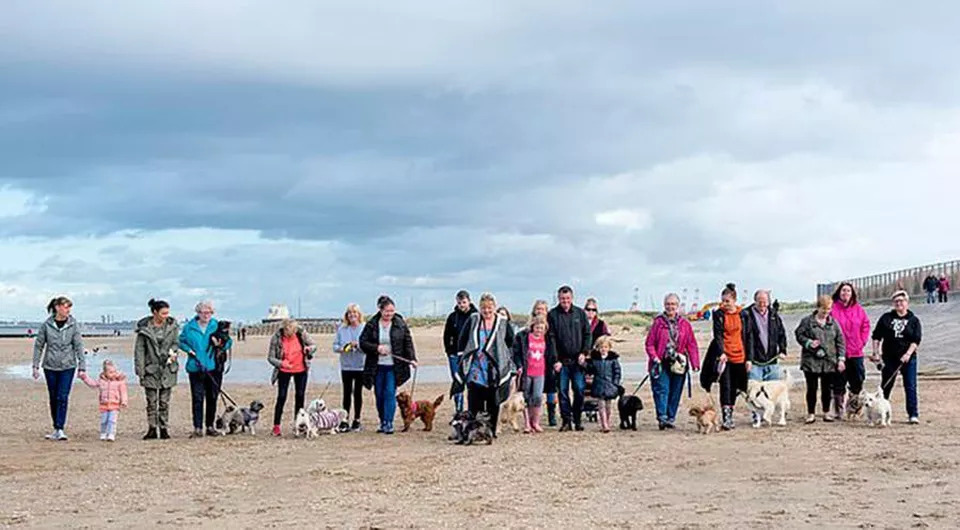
197,339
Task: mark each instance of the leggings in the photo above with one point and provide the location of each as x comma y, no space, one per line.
299,389
352,388
826,382
733,379
484,399
853,376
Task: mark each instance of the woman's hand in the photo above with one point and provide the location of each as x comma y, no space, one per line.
748,365
906,358
383,350
723,357
841,366
36,373
814,344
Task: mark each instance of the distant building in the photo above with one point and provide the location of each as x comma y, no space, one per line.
276,313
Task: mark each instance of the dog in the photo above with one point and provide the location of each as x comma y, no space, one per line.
317,405
244,419
469,429
312,424
878,409
591,410
706,416
854,407
411,410
222,334
512,411
768,399
628,407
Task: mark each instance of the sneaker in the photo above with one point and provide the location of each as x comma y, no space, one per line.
811,418
213,432
355,427
914,420
388,428
276,430
151,434
61,436
197,433
111,437
828,417
164,435
662,426
103,437
670,426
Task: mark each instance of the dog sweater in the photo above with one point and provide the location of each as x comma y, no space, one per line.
325,420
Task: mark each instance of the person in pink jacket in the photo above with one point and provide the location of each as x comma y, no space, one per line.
943,287
855,326
672,352
112,385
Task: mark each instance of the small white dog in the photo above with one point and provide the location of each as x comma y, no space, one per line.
768,399
878,409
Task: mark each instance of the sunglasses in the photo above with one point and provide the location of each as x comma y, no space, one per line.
590,309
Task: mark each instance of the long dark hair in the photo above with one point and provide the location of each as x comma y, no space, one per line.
54,302
157,305
853,291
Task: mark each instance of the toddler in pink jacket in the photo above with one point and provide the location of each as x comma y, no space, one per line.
113,396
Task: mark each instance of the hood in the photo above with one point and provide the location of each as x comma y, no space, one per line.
145,321
397,319
70,321
118,376
611,356
471,310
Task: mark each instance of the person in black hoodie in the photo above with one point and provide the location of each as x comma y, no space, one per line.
451,336
388,345
897,336
930,285
569,329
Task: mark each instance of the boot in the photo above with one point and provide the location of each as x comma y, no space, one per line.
527,420
151,434
567,426
728,424
552,414
535,422
164,435
838,404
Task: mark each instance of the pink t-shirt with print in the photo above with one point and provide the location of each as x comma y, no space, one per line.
536,364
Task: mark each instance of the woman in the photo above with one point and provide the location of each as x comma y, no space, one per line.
486,365
670,336
204,372
541,308
855,325
897,336
822,357
535,357
346,343
291,350
388,346
155,363
729,336
598,328
58,349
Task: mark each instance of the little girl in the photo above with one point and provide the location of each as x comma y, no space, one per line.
533,354
113,396
605,367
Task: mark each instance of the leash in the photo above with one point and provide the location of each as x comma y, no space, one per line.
413,385
223,395
645,378
893,377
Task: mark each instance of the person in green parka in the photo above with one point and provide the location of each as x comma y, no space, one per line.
822,358
155,363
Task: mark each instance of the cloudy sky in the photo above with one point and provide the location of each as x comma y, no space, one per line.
254,152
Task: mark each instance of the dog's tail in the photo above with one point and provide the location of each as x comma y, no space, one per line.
438,401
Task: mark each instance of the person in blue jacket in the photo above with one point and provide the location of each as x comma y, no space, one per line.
197,340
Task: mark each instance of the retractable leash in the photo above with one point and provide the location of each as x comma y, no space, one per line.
219,387
893,376
641,384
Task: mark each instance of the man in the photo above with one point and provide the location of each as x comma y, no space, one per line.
930,285
451,336
765,337
570,332
895,342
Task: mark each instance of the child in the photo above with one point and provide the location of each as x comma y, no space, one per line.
113,396
533,354
605,367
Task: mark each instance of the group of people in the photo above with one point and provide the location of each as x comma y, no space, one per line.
936,288
548,360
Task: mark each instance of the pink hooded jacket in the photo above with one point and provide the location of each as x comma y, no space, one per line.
855,325
113,391
659,337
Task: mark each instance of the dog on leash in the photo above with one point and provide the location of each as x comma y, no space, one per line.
411,410
878,409
469,429
512,411
769,399
628,407
244,419
706,417
854,407
312,424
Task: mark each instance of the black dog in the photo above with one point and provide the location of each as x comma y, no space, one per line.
222,334
628,406
469,429
591,410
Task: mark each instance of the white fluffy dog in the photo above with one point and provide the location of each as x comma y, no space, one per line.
878,409
769,399
512,411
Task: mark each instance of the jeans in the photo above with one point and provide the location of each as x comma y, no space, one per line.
108,422
352,388
826,382
385,390
572,374
484,399
299,393
158,407
59,383
454,363
667,390
204,389
852,376
931,297
909,372
770,372
533,390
